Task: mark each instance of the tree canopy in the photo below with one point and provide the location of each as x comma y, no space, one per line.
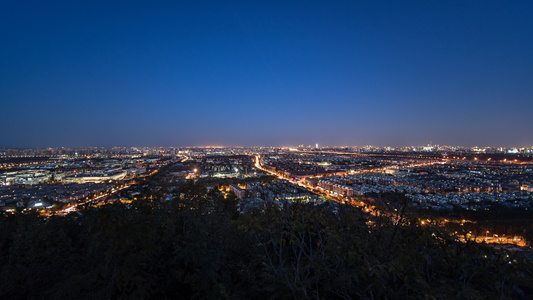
200,246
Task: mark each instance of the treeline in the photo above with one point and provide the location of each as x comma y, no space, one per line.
500,219
200,246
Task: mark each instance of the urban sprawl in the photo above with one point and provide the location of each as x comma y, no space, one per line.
435,181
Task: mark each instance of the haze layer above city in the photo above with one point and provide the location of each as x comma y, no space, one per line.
403,73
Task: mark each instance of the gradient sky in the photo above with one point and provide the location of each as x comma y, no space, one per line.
151,73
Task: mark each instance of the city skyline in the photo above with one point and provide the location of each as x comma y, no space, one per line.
426,147
273,74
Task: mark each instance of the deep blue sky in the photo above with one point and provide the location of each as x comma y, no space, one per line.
104,73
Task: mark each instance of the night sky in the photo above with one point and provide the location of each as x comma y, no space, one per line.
91,73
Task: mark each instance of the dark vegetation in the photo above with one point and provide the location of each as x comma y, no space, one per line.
199,246
500,219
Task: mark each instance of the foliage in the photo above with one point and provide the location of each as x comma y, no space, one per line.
199,246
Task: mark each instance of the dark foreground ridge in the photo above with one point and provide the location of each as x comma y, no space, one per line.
200,246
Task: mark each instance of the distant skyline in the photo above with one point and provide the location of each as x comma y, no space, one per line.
275,146
278,73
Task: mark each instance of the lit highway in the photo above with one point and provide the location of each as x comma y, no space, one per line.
75,206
